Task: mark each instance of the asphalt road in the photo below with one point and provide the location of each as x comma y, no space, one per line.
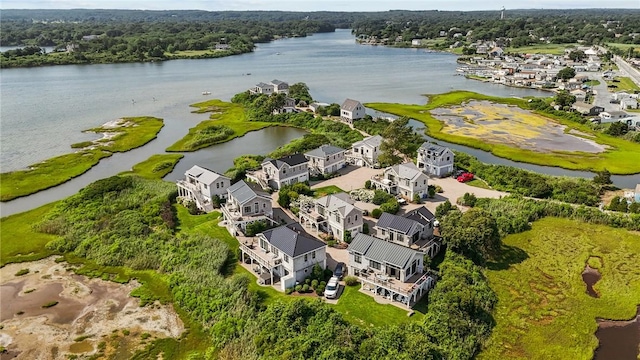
601,93
628,70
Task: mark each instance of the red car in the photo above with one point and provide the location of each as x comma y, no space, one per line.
465,177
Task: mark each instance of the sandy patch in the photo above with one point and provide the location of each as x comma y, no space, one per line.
93,308
510,125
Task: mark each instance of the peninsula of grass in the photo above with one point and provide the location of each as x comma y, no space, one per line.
121,136
226,122
157,166
620,156
543,310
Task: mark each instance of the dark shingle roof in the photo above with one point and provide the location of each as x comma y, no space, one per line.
434,148
382,251
291,160
398,223
350,104
324,150
292,240
421,215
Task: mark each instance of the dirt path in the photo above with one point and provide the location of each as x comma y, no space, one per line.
89,314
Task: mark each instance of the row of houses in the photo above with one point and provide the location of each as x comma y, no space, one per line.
604,117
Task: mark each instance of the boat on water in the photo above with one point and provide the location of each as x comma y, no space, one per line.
206,93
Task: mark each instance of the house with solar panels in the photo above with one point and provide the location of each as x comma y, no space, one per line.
435,160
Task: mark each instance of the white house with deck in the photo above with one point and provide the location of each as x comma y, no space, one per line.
435,160
246,203
365,152
403,179
333,214
201,185
327,159
286,170
413,229
351,110
390,270
286,254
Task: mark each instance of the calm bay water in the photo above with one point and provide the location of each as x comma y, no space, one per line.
44,110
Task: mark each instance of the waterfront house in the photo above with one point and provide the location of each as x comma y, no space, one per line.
351,110
201,185
365,152
286,170
314,106
246,203
389,270
637,194
286,254
435,160
413,230
280,87
288,107
587,109
333,214
262,88
612,116
327,159
403,179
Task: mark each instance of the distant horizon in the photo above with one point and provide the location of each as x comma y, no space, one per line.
314,6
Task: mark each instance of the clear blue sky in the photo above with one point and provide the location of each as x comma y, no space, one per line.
316,5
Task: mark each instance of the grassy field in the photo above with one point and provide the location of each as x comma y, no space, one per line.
60,169
222,114
554,49
623,46
619,158
623,84
543,309
326,190
478,183
157,166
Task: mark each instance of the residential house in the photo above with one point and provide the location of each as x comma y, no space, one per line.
365,152
580,94
333,214
351,110
435,160
404,179
286,170
314,106
626,104
288,107
389,270
587,109
201,185
280,87
612,116
416,42
246,203
286,254
620,95
496,51
637,194
414,230
327,159
262,88
222,47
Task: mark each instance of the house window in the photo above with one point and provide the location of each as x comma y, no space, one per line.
247,209
355,218
313,255
390,235
274,250
263,244
337,217
348,219
205,185
357,258
374,265
382,231
256,207
286,258
448,157
425,182
306,257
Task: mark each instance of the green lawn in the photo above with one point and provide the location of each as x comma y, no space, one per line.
543,311
223,114
60,169
623,84
478,183
20,242
619,158
326,190
554,49
157,166
362,309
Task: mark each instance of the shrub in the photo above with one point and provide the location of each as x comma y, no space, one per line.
298,288
317,272
256,227
367,184
331,243
392,206
145,336
307,281
305,288
323,283
416,197
365,228
49,304
468,200
381,197
439,189
327,274
376,213
351,280
22,272
288,291
320,290
314,283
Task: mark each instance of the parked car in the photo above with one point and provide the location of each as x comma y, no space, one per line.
331,291
339,271
457,173
465,177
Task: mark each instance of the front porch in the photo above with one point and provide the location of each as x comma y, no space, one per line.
311,219
260,177
378,182
190,191
407,293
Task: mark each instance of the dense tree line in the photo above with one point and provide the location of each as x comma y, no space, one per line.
518,28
